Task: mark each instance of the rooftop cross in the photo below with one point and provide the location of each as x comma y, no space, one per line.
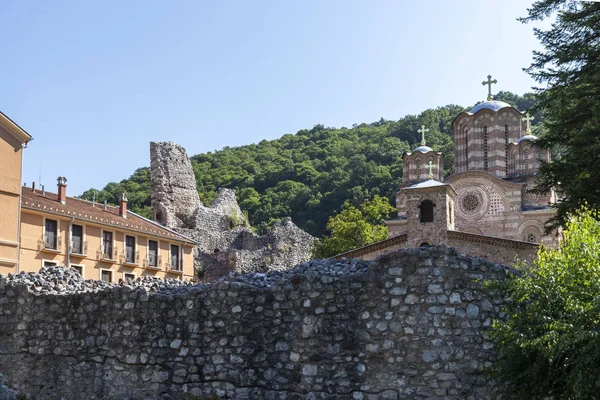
422,131
527,118
430,166
489,82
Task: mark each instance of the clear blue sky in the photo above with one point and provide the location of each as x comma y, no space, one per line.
95,82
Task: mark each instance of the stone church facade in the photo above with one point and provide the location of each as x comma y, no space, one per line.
485,207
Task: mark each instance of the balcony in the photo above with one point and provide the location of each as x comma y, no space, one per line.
111,256
133,259
154,264
49,246
80,253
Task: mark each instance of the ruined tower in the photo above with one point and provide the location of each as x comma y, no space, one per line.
225,241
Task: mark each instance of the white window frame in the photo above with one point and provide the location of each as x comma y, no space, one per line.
157,266
112,275
45,260
179,258
82,266
129,273
83,240
113,248
58,241
135,250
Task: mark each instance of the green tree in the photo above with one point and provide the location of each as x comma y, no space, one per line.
355,227
569,66
549,343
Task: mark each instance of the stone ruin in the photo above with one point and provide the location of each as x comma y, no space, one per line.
225,241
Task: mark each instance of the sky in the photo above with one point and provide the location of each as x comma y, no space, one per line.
95,82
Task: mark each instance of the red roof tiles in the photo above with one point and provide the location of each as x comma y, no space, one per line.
86,211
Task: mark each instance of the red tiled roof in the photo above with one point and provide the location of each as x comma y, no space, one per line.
86,211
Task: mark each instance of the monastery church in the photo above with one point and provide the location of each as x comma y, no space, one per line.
485,207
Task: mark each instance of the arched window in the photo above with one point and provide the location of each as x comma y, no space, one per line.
426,211
424,244
506,139
485,148
160,218
466,150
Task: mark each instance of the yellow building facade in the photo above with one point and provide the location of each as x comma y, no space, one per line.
12,141
102,242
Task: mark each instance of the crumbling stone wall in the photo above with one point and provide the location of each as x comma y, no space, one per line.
225,242
412,325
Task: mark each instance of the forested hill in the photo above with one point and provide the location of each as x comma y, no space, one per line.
308,175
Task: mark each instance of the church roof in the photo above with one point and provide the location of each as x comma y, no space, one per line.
526,137
423,149
426,184
493,105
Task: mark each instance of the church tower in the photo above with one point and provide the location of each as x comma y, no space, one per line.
422,164
425,204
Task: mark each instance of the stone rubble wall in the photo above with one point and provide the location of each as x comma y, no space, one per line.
221,228
411,325
6,393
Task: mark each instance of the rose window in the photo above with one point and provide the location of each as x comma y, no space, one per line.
470,203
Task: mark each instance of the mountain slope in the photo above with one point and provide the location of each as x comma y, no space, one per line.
308,175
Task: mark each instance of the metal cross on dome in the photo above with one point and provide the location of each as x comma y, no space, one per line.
489,82
527,118
430,166
422,131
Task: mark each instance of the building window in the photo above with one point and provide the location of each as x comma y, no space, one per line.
129,277
466,150
525,160
506,138
426,211
78,268
49,263
175,257
51,234
152,253
531,238
485,148
77,239
106,276
130,249
107,244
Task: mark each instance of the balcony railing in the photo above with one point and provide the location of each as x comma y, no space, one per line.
131,260
156,264
80,252
49,246
112,255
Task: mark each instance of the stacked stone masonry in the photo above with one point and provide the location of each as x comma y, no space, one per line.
225,242
411,325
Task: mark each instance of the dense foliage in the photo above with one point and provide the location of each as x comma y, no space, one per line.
309,175
569,66
549,344
355,227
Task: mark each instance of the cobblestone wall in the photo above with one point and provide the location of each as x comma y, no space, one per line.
411,325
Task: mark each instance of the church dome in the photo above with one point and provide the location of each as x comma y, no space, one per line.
527,137
490,105
423,149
